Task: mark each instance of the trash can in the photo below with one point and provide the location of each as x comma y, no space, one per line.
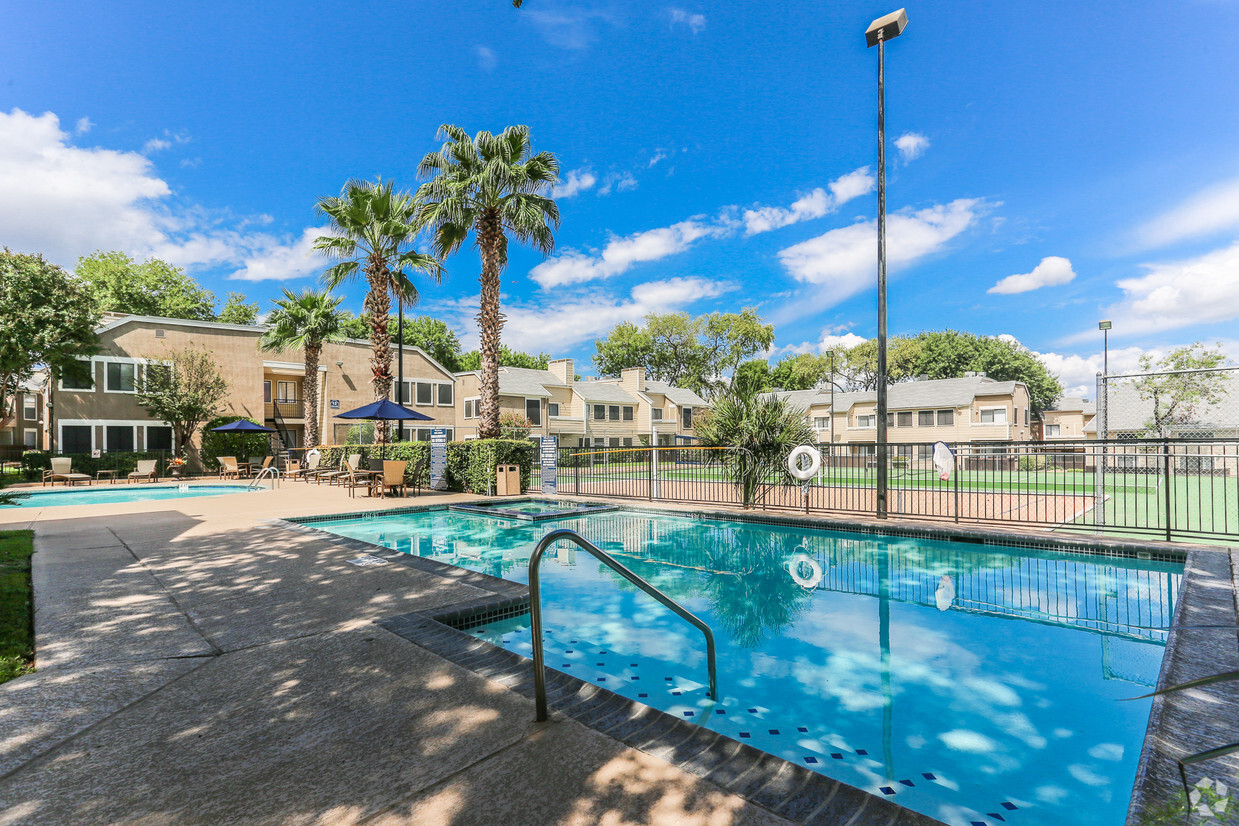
507,480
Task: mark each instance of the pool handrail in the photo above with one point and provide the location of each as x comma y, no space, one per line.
269,472
535,610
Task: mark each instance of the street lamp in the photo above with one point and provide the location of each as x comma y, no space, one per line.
831,420
879,31
1104,326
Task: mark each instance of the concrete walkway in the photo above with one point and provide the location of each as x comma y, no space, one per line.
199,666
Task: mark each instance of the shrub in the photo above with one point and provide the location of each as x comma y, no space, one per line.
1032,463
900,462
415,453
122,463
241,445
514,425
471,464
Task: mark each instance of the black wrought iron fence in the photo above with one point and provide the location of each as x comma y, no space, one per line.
1162,488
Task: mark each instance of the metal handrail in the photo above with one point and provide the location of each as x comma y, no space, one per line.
272,472
535,610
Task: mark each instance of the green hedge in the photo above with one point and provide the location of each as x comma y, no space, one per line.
415,453
471,464
240,445
35,462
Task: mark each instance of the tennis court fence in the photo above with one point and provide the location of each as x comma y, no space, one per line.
1172,489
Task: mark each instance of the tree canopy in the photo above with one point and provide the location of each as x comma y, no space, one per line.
430,334
47,320
237,310
472,360
183,388
946,354
1177,397
153,287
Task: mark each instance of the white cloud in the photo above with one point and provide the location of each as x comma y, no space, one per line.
659,155
618,181
83,126
272,260
1208,212
572,29
486,58
840,342
843,261
574,319
1051,271
620,254
911,145
576,181
1201,290
695,22
813,205
155,145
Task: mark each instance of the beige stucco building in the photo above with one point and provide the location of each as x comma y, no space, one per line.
1068,421
23,426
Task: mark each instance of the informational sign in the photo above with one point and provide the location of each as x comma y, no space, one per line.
438,458
550,465
335,404
96,453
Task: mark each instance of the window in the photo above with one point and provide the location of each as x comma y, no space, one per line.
533,411
266,392
6,437
118,438
1052,430
30,407
120,377
904,418
946,418
925,418
822,422
552,408
158,438
1027,420
286,392
83,382
76,438
468,408
656,413
600,413
30,438
994,415
615,413
686,417
445,395
425,393
870,420
599,441
628,414
627,441
615,442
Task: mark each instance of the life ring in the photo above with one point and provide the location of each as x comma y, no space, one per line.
793,463
815,571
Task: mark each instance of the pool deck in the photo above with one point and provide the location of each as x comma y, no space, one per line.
198,664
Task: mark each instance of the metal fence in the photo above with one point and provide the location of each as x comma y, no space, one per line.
1159,488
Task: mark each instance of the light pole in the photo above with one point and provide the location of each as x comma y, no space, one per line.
1103,423
831,353
879,31
1104,326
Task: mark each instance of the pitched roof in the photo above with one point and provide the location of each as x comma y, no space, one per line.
522,381
676,395
603,391
804,399
1074,404
934,393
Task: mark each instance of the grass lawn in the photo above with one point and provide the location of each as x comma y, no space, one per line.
16,606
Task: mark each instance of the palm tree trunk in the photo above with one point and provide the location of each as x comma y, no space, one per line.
490,321
309,393
378,305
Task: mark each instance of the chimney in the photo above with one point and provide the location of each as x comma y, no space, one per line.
563,370
632,379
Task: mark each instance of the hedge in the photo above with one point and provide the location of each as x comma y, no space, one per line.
35,462
240,445
470,464
415,453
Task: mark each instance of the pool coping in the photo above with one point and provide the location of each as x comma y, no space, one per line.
1207,590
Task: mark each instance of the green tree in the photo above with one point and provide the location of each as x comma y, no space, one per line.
305,322
152,287
47,320
491,186
729,338
1178,397
183,388
435,337
948,354
802,372
238,311
858,366
753,376
758,432
372,232
472,360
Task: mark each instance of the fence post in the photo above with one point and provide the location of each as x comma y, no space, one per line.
955,478
576,476
649,474
1166,485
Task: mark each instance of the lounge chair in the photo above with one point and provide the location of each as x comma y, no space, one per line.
297,470
393,478
146,470
345,470
356,478
62,469
228,467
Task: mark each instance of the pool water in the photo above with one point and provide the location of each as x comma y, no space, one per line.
107,494
531,509
976,684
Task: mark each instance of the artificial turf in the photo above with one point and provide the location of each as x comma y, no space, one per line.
16,605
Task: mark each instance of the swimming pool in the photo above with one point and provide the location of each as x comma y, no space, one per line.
110,494
532,509
976,684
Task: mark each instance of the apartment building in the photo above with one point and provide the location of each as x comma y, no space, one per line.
1067,421
23,426
974,408
102,413
624,412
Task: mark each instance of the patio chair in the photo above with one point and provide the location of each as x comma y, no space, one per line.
297,470
62,469
252,470
346,469
393,478
356,478
146,470
419,476
228,467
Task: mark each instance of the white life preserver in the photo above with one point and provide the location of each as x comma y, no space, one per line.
793,463
815,571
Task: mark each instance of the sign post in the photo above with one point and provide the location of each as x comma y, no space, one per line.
438,458
550,465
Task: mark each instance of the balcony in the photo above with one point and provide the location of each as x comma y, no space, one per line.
286,409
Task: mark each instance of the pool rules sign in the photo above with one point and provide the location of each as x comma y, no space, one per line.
438,459
550,465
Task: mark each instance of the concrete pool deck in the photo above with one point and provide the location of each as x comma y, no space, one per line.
197,664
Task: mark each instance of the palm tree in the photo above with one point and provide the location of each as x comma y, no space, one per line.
373,228
305,322
492,186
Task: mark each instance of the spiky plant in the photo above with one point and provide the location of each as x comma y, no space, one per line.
491,186
305,322
372,232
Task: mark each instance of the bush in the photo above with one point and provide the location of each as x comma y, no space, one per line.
471,464
240,445
900,462
122,463
415,453
1032,463
34,462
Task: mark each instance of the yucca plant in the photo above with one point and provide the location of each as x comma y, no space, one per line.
757,432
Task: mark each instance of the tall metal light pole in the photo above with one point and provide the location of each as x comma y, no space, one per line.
879,31
400,366
1104,326
831,353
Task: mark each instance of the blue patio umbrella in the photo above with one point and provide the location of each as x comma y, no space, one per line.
242,426
384,410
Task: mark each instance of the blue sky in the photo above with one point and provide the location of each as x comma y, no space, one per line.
714,156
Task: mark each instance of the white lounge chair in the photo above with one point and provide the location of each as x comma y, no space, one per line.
146,470
62,470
